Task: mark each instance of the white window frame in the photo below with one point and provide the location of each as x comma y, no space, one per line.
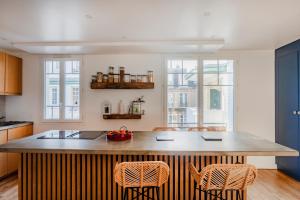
200,58
66,58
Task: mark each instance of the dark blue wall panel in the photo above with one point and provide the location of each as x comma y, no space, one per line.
287,103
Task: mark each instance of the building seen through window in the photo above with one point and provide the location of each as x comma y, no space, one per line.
200,94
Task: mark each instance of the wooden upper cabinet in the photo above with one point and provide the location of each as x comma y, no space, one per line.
2,73
13,75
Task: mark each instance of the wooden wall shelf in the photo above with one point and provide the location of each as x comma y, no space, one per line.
122,116
139,85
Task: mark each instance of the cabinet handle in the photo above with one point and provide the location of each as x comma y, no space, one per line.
298,112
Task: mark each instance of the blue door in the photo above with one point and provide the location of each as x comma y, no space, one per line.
287,120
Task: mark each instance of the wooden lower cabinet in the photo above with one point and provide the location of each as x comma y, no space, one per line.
16,133
3,156
9,161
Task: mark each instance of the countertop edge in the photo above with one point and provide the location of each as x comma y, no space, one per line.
15,126
148,152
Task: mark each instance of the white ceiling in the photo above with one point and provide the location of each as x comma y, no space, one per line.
107,26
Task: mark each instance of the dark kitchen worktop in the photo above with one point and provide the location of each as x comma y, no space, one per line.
15,125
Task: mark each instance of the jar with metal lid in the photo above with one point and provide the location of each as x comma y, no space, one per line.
110,78
99,77
105,78
122,73
150,76
94,78
116,78
139,78
144,78
132,78
111,69
126,78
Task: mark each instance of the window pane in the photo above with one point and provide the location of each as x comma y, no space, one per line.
218,106
55,68
52,91
68,112
226,66
175,66
190,66
226,72
210,72
210,67
210,79
48,66
226,79
190,80
72,67
72,90
175,79
55,113
182,93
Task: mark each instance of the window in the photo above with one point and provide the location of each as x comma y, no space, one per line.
218,93
200,93
182,93
62,89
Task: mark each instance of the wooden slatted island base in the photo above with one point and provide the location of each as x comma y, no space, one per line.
83,169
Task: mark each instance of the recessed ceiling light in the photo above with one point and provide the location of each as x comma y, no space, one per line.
206,14
88,16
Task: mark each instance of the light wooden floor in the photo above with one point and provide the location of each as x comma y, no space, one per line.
270,185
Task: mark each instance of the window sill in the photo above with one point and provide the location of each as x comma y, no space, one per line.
61,121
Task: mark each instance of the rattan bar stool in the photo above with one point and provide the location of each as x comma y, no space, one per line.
216,128
164,129
141,175
216,179
200,128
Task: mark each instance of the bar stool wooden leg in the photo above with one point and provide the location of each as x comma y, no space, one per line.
195,188
239,194
125,196
157,193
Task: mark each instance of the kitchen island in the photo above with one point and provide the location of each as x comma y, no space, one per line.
83,169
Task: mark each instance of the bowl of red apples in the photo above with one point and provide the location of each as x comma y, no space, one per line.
119,135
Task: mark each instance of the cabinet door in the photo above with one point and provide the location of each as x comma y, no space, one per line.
287,91
13,75
3,156
16,133
2,72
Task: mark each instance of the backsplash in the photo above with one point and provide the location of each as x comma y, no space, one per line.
2,106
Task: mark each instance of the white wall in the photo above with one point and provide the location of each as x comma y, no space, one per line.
254,94
255,99
29,105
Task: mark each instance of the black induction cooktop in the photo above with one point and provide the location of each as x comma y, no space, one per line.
87,135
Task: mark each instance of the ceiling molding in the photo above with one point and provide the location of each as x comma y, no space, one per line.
123,43
147,46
